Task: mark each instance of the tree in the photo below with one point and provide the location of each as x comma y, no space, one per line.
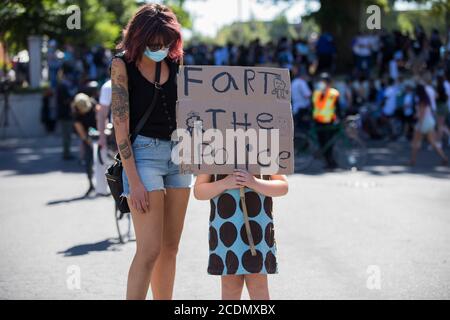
345,18
101,20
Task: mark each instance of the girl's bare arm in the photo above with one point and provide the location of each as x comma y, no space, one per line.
204,189
276,187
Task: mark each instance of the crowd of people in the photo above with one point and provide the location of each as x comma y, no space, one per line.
78,100
382,85
386,86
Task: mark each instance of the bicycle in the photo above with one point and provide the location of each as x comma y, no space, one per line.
349,150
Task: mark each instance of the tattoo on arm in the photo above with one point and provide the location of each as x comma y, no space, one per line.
119,104
125,150
120,107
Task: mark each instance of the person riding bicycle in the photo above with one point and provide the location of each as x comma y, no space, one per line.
325,104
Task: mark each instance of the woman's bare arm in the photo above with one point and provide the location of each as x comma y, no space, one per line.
81,132
120,109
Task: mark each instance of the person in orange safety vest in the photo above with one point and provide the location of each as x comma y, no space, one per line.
325,104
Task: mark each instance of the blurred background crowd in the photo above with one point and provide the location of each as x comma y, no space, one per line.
386,68
376,72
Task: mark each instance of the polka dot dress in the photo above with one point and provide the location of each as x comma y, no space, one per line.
229,250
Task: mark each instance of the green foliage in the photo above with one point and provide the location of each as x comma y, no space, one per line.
243,32
184,18
101,20
246,32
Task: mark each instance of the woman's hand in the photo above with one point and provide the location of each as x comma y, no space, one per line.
245,179
139,197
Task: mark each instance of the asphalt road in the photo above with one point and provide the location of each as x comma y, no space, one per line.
378,234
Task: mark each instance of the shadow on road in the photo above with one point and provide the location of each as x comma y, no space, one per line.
74,199
36,156
43,155
391,158
84,249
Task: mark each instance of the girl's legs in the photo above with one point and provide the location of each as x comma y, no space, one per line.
148,228
257,286
415,144
163,276
431,136
232,287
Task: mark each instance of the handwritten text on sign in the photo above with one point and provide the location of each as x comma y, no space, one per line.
234,117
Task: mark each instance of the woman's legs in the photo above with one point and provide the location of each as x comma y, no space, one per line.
163,276
257,286
232,287
148,228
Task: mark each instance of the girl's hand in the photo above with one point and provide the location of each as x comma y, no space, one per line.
245,179
230,182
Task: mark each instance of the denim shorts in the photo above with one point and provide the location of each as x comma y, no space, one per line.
155,167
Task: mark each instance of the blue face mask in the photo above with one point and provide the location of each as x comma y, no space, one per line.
156,56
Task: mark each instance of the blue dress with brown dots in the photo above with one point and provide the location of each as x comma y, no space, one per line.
229,250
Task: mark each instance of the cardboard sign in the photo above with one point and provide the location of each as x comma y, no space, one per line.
237,103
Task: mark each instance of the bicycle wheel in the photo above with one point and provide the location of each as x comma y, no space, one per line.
350,152
124,226
304,151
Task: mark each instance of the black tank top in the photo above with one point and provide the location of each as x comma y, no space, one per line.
162,121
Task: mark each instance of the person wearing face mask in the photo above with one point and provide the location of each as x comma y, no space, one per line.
325,102
156,192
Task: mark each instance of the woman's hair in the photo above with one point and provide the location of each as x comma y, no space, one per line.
422,95
152,24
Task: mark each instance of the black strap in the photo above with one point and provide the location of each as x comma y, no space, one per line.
148,112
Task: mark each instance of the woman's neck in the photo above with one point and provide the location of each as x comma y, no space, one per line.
147,62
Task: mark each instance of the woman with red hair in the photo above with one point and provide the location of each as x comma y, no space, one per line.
157,194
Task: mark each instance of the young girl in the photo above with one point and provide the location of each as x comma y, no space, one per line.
241,237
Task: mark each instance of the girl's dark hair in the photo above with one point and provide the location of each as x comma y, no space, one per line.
152,22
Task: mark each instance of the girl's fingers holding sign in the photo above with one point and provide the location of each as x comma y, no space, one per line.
244,178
